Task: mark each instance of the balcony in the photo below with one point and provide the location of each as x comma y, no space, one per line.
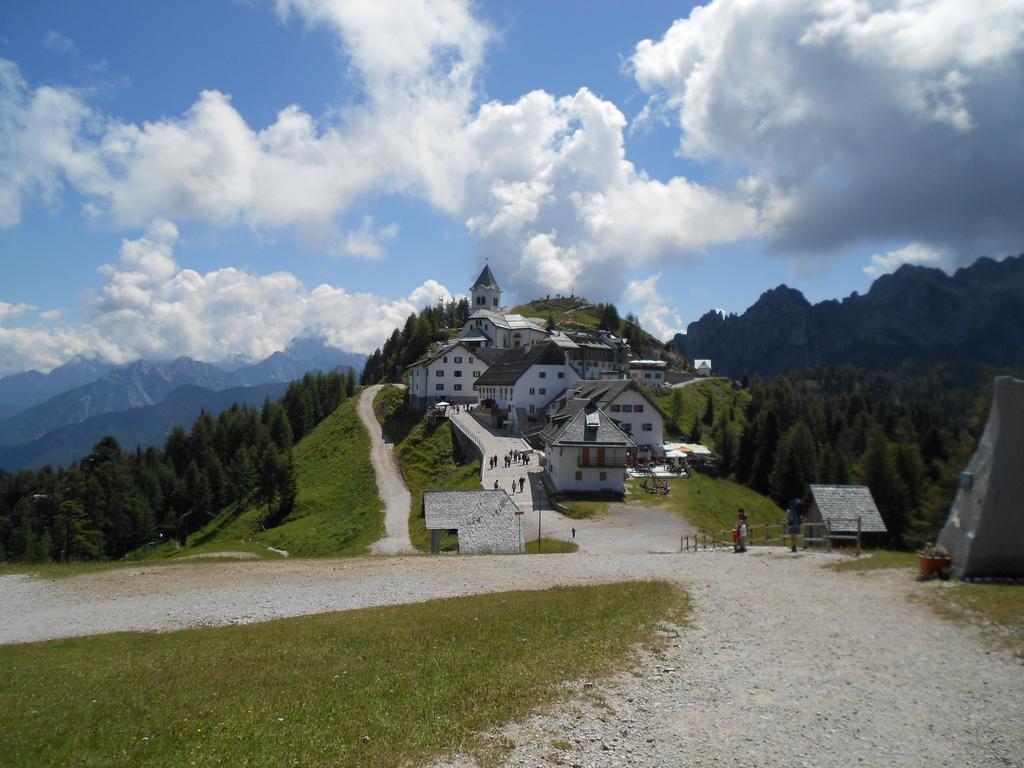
611,462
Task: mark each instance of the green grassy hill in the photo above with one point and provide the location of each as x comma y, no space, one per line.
693,403
337,512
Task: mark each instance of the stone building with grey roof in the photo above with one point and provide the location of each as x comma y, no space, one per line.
485,521
842,506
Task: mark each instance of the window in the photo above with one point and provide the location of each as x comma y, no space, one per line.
627,408
458,387
471,361
647,374
638,409
458,374
532,392
542,391
647,427
533,409
458,359
444,359
616,407
579,475
439,372
439,387
561,374
476,374
603,476
543,374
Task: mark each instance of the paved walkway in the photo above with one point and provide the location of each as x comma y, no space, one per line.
390,485
493,442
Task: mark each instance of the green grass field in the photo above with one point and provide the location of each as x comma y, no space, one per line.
337,511
427,459
389,686
550,547
710,503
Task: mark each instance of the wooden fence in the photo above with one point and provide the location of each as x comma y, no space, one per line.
810,532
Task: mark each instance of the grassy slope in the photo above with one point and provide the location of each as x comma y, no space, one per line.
337,511
426,457
710,504
341,689
695,401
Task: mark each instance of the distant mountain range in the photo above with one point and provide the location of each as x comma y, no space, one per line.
976,315
144,426
144,383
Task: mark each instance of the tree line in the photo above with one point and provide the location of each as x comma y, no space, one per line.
114,501
404,347
906,434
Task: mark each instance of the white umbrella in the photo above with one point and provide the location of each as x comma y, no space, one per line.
675,455
442,404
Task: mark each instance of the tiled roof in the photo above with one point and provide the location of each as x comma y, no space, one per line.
841,505
599,392
579,431
509,367
456,509
506,321
486,280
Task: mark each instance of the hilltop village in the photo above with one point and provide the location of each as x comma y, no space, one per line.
578,396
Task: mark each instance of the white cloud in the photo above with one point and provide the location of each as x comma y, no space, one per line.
858,120
58,43
368,242
913,253
13,311
152,308
655,315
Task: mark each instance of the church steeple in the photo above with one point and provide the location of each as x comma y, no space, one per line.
485,291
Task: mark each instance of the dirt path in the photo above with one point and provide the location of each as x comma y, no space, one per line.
784,663
389,483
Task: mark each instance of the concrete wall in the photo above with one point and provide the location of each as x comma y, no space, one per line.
635,421
540,385
460,367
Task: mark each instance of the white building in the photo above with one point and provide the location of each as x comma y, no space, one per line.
447,375
485,293
520,384
504,331
702,367
587,454
648,373
627,404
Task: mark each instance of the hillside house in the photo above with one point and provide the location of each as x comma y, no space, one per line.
446,375
648,373
624,402
520,383
586,454
702,367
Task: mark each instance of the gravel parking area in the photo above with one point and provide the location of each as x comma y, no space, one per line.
783,664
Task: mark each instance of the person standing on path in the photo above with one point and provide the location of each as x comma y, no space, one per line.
793,518
521,481
574,532
741,531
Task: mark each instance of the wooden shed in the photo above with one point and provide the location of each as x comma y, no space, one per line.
841,506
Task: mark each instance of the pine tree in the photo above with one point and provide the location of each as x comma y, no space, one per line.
709,412
795,465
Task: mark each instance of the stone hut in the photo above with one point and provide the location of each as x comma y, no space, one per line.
485,521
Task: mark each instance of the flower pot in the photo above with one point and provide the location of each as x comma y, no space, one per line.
930,566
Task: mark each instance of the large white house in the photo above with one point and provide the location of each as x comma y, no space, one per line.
447,375
587,454
648,373
626,403
520,383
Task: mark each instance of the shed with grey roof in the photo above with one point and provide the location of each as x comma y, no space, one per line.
841,506
485,521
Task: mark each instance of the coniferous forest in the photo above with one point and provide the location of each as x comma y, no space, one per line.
115,500
906,434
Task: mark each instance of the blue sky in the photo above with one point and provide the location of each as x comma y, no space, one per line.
214,178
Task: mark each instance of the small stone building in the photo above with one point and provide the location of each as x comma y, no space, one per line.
485,521
842,505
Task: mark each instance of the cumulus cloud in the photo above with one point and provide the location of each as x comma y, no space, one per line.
367,241
912,253
150,307
659,319
857,120
559,208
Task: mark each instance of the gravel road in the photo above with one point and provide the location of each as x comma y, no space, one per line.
389,482
784,663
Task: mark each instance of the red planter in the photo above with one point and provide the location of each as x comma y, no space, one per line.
930,566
